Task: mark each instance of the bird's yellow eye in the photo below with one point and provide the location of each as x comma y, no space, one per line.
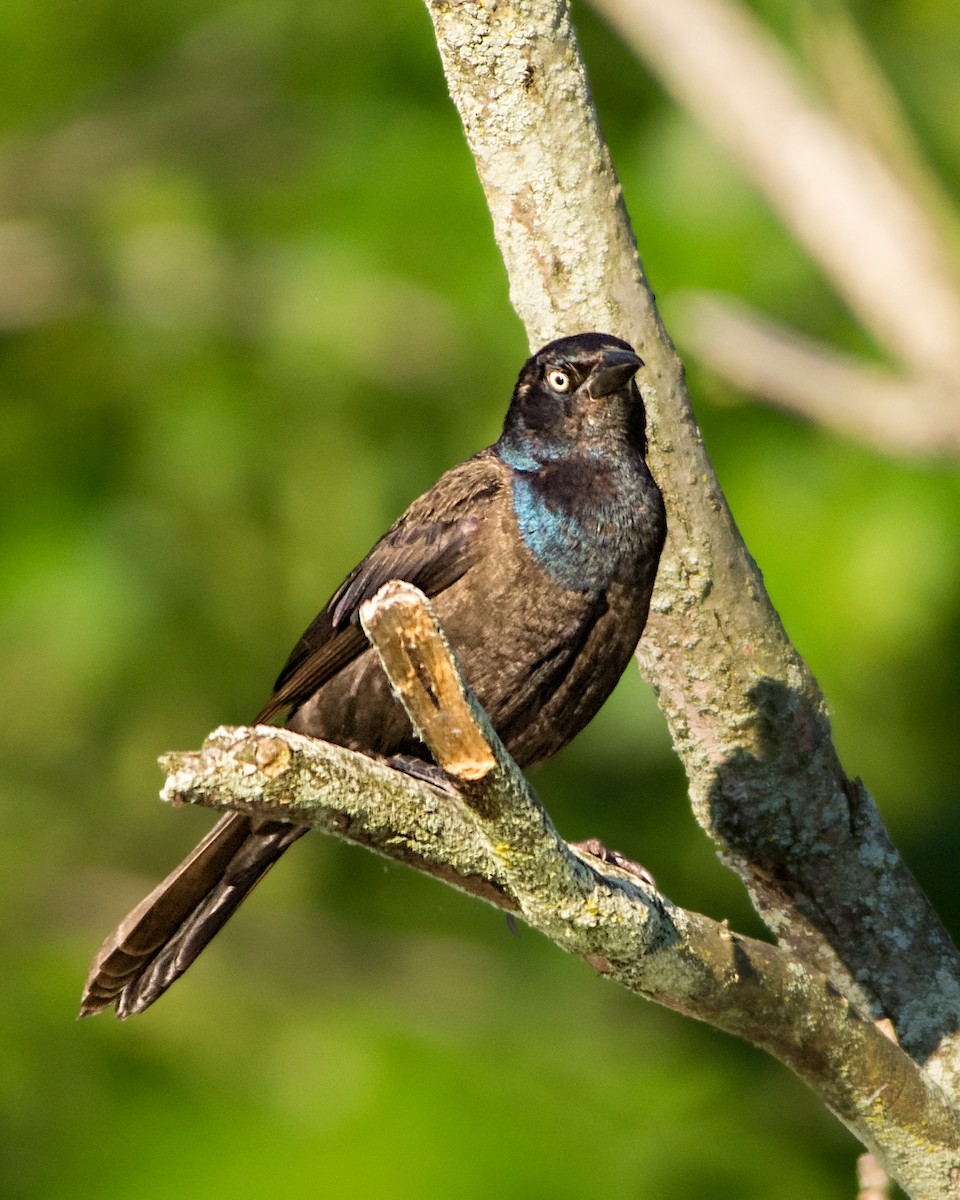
558,380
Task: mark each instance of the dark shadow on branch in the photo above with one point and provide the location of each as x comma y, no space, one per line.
787,845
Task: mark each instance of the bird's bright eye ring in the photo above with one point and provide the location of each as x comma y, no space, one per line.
558,380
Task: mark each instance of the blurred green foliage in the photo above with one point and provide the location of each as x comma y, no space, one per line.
251,306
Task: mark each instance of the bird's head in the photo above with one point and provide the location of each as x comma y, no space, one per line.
575,396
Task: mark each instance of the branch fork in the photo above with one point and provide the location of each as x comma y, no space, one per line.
478,825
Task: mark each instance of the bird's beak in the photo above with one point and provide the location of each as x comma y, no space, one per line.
613,371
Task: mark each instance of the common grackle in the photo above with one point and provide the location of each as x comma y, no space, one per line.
539,554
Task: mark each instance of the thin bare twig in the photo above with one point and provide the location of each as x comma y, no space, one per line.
872,237
878,230
861,400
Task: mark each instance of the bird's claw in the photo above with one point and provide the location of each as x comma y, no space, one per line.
596,849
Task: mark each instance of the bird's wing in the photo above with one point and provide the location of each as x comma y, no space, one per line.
431,546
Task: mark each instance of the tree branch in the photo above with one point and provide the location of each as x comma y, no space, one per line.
856,216
747,717
490,835
862,400
864,220
856,935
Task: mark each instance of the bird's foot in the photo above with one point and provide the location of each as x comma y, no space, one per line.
596,849
418,768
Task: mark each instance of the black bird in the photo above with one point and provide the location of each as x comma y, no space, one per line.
539,554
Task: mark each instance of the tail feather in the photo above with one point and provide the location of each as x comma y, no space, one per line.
160,938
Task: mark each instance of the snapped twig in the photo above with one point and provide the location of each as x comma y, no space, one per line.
479,826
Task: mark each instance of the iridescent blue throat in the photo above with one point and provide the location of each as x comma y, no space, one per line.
579,533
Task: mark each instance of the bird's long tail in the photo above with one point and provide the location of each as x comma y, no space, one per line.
161,937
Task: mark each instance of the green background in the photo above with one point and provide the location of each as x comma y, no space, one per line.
250,307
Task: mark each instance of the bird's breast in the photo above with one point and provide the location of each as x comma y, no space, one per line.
585,527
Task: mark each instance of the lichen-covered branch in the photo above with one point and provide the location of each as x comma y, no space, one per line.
479,826
747,717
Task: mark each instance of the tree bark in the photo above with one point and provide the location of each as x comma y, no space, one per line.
857,939
481,828
747,717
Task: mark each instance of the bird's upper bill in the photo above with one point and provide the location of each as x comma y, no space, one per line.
615,369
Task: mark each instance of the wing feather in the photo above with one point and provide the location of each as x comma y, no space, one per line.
432,545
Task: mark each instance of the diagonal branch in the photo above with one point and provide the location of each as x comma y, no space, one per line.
837,195
489,834
866,215
897,414
747,717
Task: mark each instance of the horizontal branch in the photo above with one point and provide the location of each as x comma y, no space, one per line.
486,832
329,787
